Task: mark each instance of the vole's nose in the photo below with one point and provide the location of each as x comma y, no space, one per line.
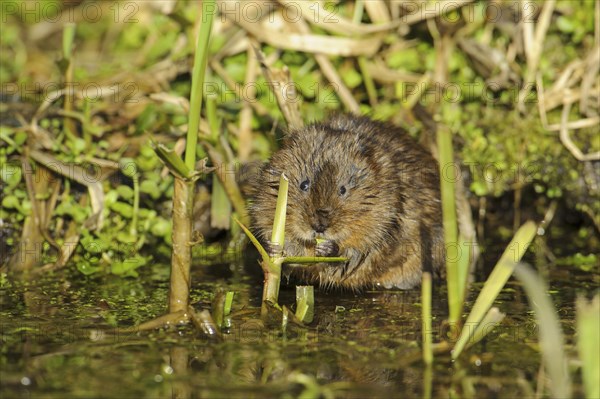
321,222
323,212
319,227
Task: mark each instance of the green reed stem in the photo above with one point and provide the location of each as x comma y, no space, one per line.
278,234
588,343
426,316
444,143
67,47
200,59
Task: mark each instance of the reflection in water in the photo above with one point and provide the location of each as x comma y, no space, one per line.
179,364
67,340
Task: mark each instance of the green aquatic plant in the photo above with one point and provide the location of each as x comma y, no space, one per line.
588,343
305,303
550,333
272,268
185,175
495,282
66,64
454,276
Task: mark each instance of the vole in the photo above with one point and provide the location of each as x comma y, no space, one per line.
362,189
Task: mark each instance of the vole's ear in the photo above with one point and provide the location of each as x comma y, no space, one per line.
357,174
248,176
289,133
295,137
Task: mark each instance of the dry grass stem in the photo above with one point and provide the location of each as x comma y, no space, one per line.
384,75
377,11
310,43
232,85
245,131
279,82
331,74
534,44
565,138
592,69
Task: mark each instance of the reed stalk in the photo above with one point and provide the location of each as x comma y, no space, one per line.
446,154
183,194
273,268
67,48
200,59
426,315
588,343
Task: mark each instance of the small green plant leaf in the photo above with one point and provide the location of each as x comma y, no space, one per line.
125,192
499,276
122,209
172,160
11,202
263,253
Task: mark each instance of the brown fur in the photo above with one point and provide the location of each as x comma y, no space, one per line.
388,223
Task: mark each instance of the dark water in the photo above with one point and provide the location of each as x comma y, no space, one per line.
65,337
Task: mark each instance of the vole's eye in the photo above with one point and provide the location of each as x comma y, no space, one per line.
342,190
305,185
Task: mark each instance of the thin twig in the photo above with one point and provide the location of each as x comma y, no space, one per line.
534,43
565,138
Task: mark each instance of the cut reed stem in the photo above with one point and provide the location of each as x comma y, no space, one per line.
426,315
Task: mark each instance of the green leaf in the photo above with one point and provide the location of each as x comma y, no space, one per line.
111,197
588,344
352,78
125,237
11,202
93,245
564,24
128,266
20,138
160,228
408,59
495,282
77,145
128,167
146,119
125,192
479,188
305,302
172,160
147,151
151,188
86,268
123,209
26,207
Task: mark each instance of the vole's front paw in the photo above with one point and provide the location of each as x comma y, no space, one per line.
327,248
272,249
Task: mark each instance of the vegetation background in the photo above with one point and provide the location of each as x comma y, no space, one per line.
88,90
516,82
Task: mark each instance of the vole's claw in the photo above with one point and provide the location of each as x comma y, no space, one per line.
327,248
272,249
